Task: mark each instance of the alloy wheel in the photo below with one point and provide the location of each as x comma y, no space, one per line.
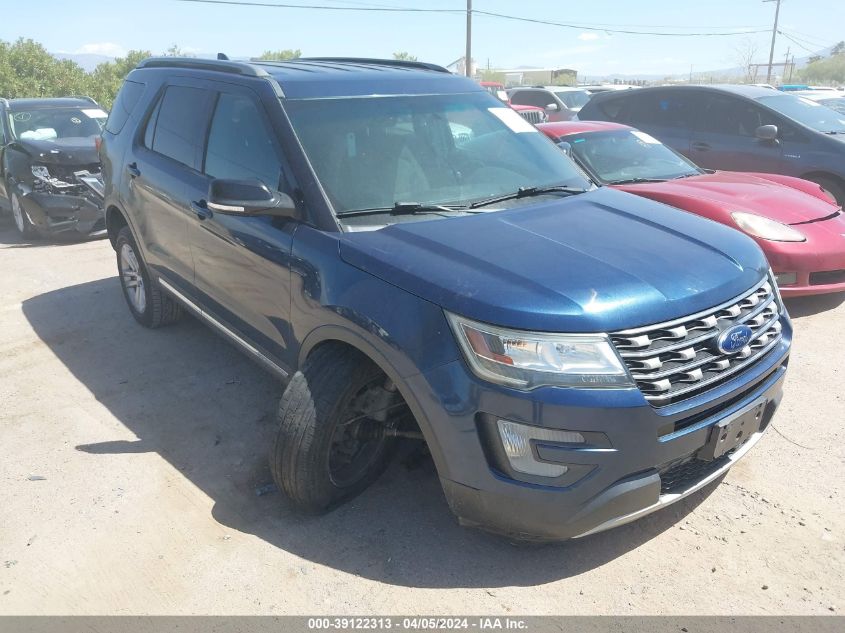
133,280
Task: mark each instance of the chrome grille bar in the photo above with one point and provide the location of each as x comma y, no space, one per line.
679,358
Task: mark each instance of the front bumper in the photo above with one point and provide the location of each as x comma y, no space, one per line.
643,444
807,284
57,212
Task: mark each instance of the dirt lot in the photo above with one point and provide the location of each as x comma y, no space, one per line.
131,460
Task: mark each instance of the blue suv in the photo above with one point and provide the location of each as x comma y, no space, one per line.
417,263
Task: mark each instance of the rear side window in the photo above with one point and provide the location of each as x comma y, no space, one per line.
663,109
123,105
240,144
604,109
538,98
739,117
180,125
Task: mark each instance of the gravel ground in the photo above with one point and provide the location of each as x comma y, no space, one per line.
132,461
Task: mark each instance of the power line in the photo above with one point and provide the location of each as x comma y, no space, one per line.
383,9
386,9
797,43
606,30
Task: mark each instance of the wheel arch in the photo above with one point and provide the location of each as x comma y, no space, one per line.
115,220
336,335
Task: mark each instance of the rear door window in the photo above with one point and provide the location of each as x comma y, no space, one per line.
240,142
179,129
737,117
663,109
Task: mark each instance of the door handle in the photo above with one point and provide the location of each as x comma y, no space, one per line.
701,147
132,169
201,210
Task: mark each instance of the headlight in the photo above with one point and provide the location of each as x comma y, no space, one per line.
766,229
527,360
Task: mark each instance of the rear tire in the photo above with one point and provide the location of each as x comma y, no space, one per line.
832,187
313,457
150,306
25,228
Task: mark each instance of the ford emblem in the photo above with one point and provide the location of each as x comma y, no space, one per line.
734,339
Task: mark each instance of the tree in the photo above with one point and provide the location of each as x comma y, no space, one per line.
28,70
493,75
105,80
176,51
828,70
837,49
280,56
745,54
405,56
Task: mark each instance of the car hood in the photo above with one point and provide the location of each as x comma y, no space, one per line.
735,191
61,151
596,262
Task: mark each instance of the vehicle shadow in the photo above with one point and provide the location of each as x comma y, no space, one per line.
10,238
799,307
194,399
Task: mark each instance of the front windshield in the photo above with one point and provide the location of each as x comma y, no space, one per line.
454,149
806,111
47,124
625,155
573,99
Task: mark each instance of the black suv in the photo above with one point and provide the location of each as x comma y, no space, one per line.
417,262
736,128
49,169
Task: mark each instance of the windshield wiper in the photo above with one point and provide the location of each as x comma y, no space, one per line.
634,181
526,192
406,208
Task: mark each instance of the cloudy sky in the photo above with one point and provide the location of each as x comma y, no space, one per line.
111,28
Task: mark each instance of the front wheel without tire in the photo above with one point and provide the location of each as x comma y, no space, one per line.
150,306
334,435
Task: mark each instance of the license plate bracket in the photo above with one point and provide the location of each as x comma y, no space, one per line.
733,431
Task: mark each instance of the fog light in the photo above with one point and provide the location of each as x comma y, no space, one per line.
786,279
516,440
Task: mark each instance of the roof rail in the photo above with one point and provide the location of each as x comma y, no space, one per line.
220,65
401,63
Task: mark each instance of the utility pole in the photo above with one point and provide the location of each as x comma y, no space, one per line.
786,66
774,35
468,54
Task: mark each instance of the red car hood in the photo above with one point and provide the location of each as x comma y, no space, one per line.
736,191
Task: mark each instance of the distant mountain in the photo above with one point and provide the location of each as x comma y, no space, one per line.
88,61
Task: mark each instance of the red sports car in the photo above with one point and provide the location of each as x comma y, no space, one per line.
799,227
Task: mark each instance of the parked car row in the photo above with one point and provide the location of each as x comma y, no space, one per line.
737,128
798,226
417,262
48,162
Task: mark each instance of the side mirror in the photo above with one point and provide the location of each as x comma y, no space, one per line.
767,132
553,107
566,147
248,197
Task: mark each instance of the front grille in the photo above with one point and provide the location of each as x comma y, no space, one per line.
680,477
679,359
827,277
533,116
